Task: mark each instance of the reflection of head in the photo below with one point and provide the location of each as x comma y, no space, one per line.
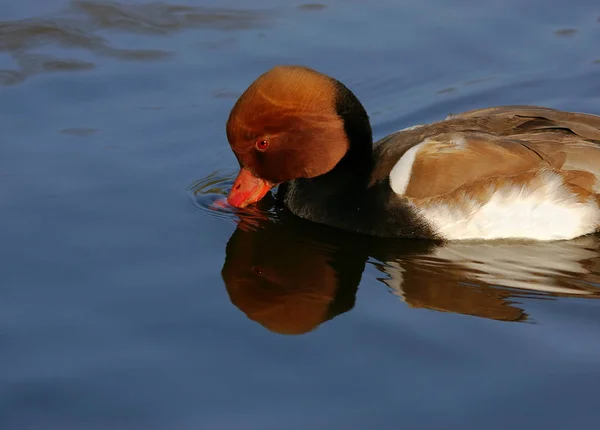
291,280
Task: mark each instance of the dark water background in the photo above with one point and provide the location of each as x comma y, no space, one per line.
114,313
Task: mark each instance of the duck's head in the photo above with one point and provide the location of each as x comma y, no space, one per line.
292,122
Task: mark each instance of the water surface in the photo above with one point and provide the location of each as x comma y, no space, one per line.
128,301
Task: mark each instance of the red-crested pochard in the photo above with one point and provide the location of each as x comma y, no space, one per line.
502,172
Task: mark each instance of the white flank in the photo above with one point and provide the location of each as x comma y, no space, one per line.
400,174
542,210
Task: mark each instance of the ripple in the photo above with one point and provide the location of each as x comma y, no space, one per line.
312,6
33,64
79,132
81,23
157,18
208,196
565,32
446,90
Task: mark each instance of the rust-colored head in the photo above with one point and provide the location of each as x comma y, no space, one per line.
285,126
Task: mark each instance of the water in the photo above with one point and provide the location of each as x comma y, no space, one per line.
130,300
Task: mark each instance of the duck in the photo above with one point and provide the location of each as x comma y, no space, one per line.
504,172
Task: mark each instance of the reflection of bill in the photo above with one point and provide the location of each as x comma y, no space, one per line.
291,276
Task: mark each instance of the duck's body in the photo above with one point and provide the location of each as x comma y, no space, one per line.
505,172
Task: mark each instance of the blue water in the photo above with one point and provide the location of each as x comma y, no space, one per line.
127,301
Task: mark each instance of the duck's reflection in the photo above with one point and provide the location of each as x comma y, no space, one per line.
291,276
287,277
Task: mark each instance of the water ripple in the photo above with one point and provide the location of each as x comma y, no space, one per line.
78,26
208,196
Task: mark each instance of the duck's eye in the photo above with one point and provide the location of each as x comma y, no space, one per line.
262,145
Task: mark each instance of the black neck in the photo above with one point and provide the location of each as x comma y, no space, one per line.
356,166
339,194
358,130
